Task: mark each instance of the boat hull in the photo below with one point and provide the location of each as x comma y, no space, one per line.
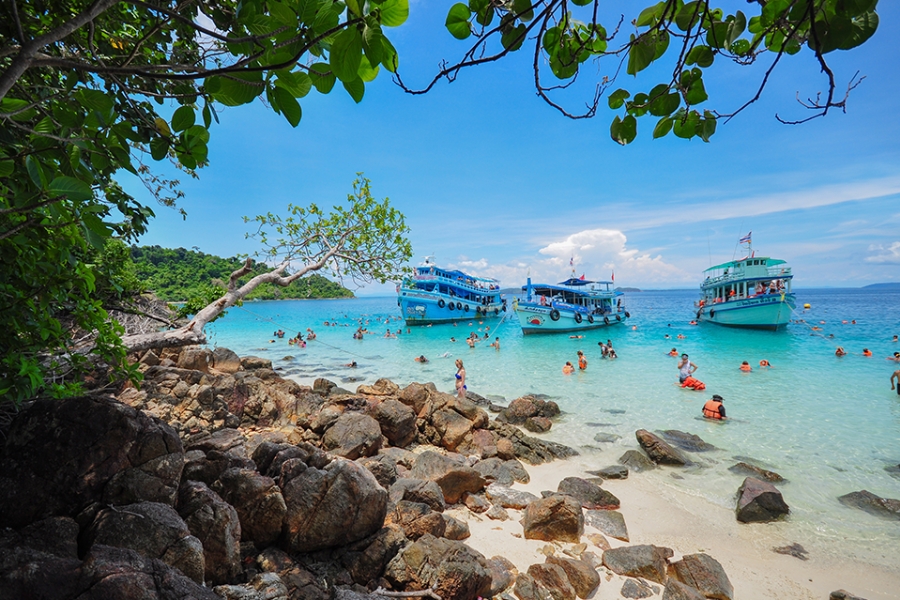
423,308
537,319
750,313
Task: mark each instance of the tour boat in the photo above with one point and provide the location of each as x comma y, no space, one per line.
572,305
753,292
436,295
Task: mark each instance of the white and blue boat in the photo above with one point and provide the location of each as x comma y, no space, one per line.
753,292
572,305
436,295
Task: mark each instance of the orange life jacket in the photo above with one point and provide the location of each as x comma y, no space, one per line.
764,363
711,409
867,353
693,383
582,363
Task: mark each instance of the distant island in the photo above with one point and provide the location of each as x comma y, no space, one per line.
627,289
179,274
892,285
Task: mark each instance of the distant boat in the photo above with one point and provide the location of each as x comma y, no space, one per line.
437,295
570,306
753,292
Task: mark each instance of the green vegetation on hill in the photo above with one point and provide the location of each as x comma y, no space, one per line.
179,274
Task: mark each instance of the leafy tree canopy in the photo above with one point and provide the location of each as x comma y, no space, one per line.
570,37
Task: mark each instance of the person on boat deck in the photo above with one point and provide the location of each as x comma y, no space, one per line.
568,369
685,368
896,375
460,379
731,294
714,409
582,361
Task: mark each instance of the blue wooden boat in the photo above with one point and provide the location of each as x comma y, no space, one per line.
437,295
570,306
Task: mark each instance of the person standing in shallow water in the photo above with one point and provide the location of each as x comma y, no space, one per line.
460,379
685,368
896,376
582,361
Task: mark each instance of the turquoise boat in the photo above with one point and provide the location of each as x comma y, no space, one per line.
436,295
571,306
753,292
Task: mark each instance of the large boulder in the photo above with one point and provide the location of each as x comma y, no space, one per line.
365,560
258,501
332,506
452,427
659,450
452,569
383,467
589,494
216,524
264,586
106,572
353,435
554,579
508,497
113,454
225,360
703,572
521,409
208,467
869,502
416,519
418,490
610,522
529,589
645,561
687,441
556,517
675,590
195,358
759,501
454,478
503,574
223,440
636,461
152,529
397,422
581,575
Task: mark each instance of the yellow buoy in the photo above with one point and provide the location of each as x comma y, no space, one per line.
806,306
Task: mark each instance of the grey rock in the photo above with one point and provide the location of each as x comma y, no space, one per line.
454,570
645,561
743,468
606,438
869,502
455,529
660,451
611,472
675,590
557,517
353,435
759,501
258,501
610,522
216,524
705,573
795,550
590,495
454,478
418,490
507,497
265,586
497,513
636,461
843,595
636,588
686,441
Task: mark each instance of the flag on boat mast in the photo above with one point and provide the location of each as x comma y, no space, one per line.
613,278
572,262
745,239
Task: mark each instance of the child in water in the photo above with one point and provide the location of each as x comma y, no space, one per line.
568,369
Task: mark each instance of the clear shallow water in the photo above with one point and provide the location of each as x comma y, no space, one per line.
829,425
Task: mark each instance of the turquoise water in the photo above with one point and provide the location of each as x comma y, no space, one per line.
829,425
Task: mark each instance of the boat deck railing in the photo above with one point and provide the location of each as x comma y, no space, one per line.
776,272
474,286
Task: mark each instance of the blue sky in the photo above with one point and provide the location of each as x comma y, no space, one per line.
494,181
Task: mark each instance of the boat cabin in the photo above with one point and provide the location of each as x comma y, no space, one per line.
748,277
590,297
455,284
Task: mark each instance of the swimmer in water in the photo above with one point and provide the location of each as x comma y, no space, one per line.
496,343
568,369
765,363
745,366
867,352
839,351
673,352
421,359
582,361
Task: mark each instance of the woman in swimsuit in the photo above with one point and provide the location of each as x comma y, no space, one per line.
460,379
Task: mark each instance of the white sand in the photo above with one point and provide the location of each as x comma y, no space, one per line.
662,516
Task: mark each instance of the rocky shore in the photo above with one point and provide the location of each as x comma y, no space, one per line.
217,478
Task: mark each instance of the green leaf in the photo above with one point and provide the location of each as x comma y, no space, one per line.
354,6
457,22
74,189
322,78
692,84
688,16
663,127
844,33
159,148
707,126
740,47
523,9
6,167
701,56
685,125
513,38
94,100
346,52
35,172
624,130
737,27
183,118
284,15
650,15
239,88
641,53
366,71
372,44
617,98
394,12
390,60
663,102
355,88
297,83
289,106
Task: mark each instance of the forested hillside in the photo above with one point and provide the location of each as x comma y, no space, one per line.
179,274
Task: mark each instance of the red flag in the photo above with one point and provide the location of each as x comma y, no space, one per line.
613,276
582,277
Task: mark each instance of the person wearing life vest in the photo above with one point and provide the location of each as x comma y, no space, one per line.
765,363
582,361
867,352
714,409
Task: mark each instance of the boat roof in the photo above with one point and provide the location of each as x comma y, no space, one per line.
564,286
770,262
456,273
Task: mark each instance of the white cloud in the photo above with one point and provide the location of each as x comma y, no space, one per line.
885,254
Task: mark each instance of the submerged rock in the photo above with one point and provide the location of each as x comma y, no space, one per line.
843,595
659,450
869,502
687,441
744,468
795,550
636,461
611,472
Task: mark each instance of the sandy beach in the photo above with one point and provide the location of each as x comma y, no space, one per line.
663,516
